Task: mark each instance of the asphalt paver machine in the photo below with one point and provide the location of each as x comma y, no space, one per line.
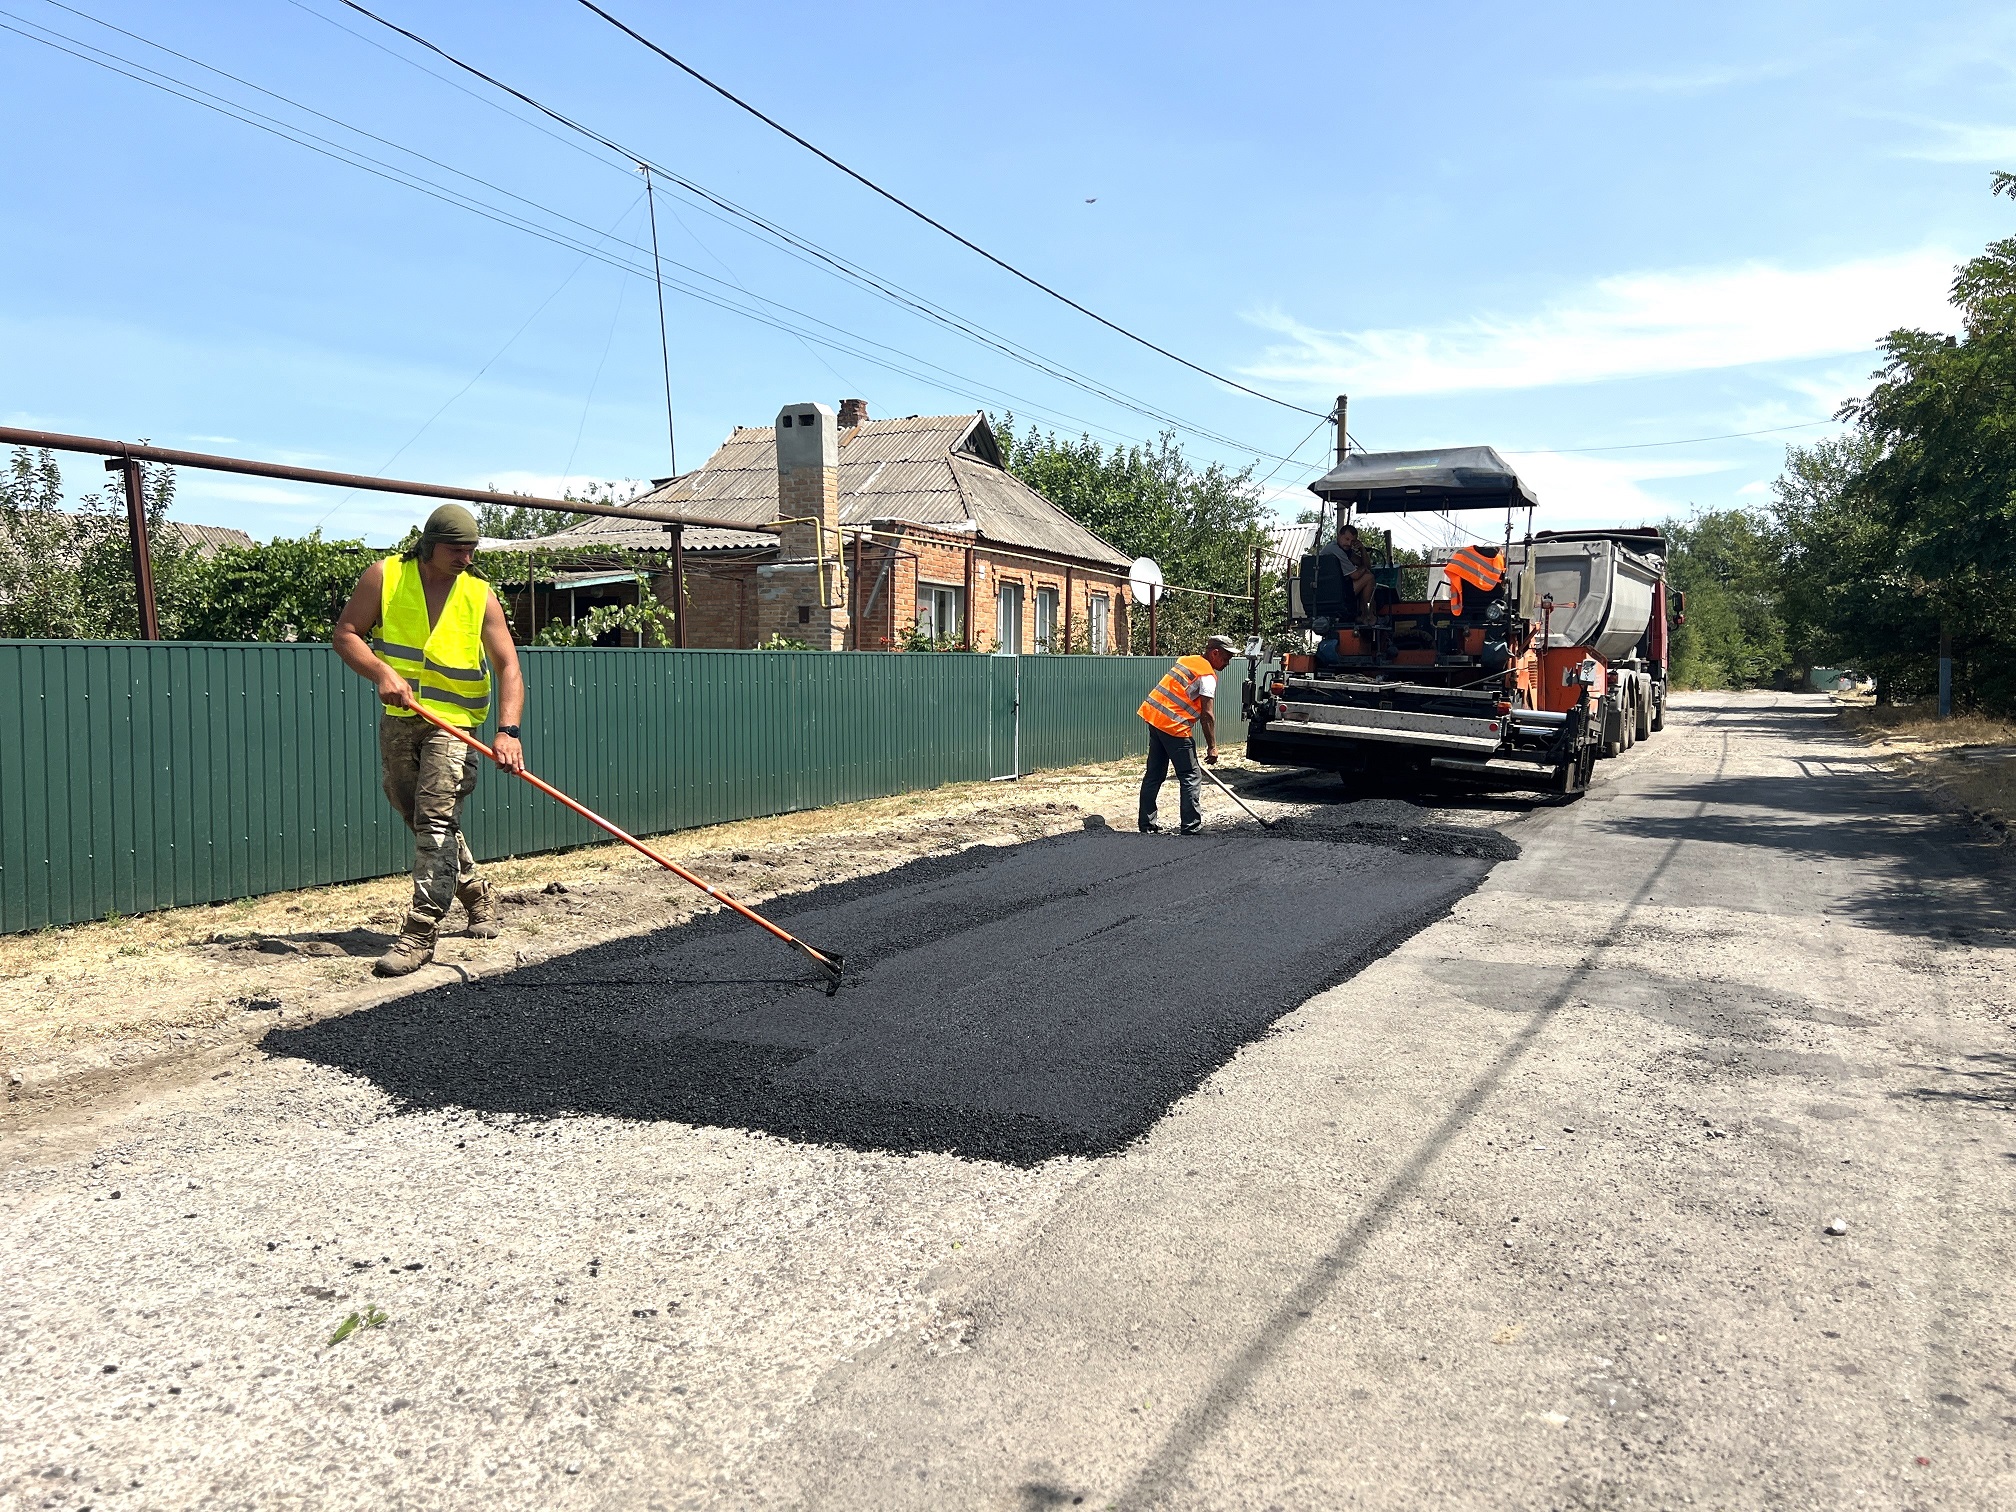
1510,661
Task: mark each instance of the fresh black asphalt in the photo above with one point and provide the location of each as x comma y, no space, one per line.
1016,1004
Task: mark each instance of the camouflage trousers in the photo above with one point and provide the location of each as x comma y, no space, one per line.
427,775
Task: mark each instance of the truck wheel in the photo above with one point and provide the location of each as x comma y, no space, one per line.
1613,732
1643,714
1658,710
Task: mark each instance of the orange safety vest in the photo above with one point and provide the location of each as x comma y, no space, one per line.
1475,566
1174,705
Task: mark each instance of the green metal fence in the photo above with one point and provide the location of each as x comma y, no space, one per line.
139,776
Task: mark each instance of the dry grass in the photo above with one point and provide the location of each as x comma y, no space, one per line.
1969,761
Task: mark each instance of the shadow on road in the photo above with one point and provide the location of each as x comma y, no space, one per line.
1013,1004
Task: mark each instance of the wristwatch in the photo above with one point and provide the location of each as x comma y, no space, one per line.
511,730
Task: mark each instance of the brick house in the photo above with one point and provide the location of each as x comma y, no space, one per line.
846,533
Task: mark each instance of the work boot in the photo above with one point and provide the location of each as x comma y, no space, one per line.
1192,829
1150,827
413,949
479,901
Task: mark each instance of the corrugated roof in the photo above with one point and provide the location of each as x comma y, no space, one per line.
940,470
208,540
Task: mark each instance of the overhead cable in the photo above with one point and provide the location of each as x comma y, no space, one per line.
967,387
840,265
937,225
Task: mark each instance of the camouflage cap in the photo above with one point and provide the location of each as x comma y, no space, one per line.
450,523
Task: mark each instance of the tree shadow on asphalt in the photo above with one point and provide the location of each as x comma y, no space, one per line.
1987,1080
1014,1003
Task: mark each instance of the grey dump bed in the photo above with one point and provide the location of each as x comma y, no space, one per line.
1601,584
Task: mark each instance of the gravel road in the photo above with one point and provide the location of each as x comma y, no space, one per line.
1528,1212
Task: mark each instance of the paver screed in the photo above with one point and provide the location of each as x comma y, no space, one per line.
1013,1004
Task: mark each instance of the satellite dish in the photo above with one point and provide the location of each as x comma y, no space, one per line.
1143,576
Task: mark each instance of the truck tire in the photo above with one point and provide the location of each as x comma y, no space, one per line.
1658,708
1613,729
1643,713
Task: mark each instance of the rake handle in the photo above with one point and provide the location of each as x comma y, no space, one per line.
632,841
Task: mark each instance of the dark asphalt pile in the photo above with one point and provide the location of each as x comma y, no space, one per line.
1012,1004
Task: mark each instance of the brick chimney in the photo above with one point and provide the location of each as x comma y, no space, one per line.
853,412
809,574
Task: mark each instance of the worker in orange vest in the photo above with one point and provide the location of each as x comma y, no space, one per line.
1174,707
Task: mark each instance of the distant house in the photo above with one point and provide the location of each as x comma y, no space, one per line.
847,533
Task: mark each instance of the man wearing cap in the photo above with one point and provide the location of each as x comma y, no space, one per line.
430,634
1173,708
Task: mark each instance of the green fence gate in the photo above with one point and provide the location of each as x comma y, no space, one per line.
137,776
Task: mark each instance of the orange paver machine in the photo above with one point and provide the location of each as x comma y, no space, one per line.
1513,662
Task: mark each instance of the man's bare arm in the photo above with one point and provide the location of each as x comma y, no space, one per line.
1209,720
352,639
503,654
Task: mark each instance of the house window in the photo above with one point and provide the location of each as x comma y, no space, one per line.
1046,620
1008,617
1099,623
939,615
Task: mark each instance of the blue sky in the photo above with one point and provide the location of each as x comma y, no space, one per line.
1544,228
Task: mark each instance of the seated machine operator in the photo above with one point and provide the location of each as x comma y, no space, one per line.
1346,562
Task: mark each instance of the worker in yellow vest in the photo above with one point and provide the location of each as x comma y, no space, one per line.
1174,707
428,632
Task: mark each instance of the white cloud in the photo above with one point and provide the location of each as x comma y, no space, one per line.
1758,489
1572,488
1631,325
1961,142
256,493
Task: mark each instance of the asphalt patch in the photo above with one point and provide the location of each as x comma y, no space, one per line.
1013,1004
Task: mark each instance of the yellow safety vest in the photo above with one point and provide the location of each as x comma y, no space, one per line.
1174,705
444,664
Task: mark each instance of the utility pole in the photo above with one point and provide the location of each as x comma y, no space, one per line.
143,558
664,348
1343,436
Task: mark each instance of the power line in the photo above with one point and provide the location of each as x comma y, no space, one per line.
834,263
380,168
905,205
1563,451
286,131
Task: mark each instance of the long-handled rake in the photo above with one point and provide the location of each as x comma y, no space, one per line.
829,961
1227,791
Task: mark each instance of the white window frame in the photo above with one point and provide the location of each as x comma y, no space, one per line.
1047,622
1099,622
941,610
1008,592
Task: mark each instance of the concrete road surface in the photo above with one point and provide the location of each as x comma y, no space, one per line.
1530,1212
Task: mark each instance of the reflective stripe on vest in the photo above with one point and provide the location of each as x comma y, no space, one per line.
1174,705
1472,566
444,664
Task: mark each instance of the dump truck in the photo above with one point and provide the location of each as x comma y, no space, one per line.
1508,662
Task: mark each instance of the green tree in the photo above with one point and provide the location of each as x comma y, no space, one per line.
1927,514
286,590
1727,563
1200,526
66,567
